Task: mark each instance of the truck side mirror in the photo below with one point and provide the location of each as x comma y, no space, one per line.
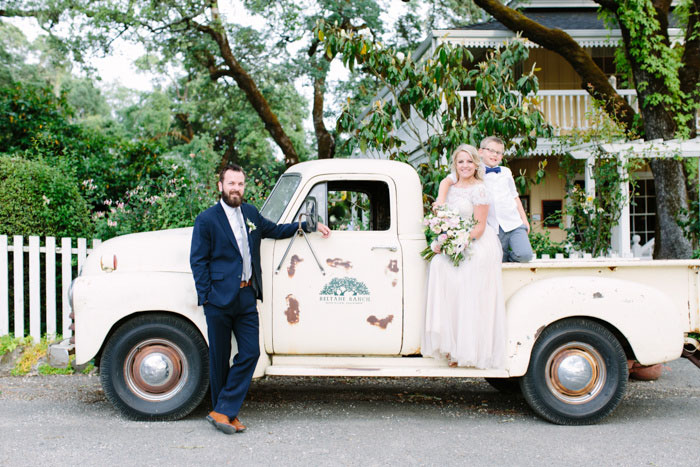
309,212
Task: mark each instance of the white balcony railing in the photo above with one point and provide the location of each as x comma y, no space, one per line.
564,109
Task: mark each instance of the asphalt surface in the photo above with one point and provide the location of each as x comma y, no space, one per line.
66,420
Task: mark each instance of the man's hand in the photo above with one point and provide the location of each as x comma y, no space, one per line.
323,229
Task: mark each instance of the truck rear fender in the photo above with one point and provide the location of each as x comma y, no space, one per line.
644,318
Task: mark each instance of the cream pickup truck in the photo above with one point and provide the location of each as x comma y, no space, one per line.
353,305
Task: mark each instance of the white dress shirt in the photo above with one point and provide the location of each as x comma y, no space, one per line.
503,211
237,223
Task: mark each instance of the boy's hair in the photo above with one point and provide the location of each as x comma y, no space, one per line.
491,139
230,166
471,150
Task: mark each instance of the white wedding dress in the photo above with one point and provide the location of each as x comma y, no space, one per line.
465,312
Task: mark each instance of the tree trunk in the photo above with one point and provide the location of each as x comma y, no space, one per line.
250,89
669,176
326,142
671,196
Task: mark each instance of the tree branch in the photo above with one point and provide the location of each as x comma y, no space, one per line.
326,142
556,40
249,88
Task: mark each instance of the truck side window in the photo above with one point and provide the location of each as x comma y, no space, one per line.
358,205
353,205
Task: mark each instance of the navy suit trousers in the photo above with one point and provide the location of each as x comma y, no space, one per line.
229,384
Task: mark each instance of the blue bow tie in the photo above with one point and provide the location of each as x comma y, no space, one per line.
496,170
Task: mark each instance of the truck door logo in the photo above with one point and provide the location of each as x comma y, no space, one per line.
345,290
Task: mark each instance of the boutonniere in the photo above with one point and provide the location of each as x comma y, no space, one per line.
250,225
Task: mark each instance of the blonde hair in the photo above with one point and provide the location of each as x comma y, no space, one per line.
471,150
492,139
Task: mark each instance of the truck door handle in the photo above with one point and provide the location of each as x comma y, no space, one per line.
390,248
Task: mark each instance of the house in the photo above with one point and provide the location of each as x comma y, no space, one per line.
566,106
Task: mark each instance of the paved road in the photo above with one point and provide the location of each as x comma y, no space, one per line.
66,420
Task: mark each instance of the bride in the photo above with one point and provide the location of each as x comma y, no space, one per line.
465,312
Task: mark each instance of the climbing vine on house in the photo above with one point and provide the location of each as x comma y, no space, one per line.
592,217
423,99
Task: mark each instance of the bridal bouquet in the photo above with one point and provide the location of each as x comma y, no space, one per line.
447,233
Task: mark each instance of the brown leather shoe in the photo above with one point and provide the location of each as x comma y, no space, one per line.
239,426
222,423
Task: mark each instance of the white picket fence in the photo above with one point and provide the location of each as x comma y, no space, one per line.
41,258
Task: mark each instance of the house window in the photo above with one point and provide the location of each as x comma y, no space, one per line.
604,57
643,210
551,212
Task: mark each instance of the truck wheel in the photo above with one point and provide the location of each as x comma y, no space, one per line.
505,385
155,367
577,373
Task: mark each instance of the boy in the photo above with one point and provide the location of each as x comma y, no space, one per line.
507,216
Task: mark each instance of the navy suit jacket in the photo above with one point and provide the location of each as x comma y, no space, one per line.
216,261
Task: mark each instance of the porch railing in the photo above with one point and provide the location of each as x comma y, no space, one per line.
564,109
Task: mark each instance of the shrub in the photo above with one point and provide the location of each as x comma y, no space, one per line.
542,244
36,199
170,201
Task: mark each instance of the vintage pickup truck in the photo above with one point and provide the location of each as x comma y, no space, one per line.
353,305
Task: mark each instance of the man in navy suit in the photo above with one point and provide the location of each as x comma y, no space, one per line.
225,261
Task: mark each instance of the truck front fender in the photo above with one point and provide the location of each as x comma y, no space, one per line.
644,315
100,301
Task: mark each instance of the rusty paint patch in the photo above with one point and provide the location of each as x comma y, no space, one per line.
538,332
612,268
292,310
394,282
393,266
382,323
293,265
533,269
597,295
338,263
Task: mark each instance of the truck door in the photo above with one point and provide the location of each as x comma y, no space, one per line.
356,305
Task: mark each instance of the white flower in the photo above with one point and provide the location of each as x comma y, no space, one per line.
250,225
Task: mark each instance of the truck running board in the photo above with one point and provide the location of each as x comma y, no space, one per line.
313,365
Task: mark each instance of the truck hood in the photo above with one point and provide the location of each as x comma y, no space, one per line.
162,250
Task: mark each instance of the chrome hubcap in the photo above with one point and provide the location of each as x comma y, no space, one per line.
575,373
155,370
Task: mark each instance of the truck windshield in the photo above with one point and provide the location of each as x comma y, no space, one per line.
280,196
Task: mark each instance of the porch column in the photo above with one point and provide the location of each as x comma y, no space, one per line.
589,181
621,239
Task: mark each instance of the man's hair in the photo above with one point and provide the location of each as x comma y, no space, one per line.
230,166
491,139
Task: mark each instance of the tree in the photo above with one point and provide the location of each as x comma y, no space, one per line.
504,105
195,32
666,78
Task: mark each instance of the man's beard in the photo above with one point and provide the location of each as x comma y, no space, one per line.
233,198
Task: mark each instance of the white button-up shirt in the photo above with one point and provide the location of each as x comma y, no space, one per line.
235,220
501,186
503,211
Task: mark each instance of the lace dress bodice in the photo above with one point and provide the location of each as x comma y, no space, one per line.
463,199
